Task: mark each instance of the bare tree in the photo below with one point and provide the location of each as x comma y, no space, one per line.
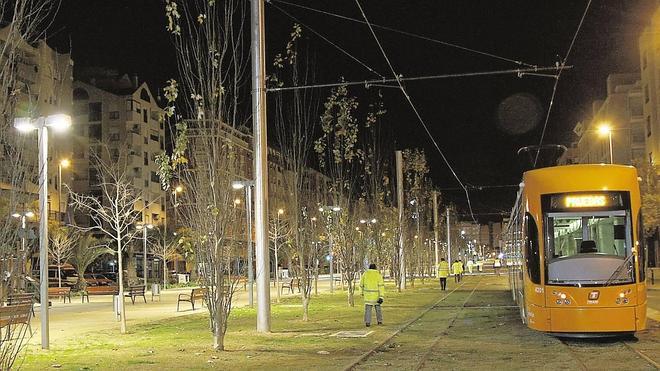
62,244
213,64
165,248
115,213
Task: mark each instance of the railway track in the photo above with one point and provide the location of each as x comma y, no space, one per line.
390,341
601,348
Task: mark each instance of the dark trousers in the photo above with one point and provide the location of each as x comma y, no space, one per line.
457,277
443,283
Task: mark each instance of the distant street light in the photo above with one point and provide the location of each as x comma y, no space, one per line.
248,185
59,123
606,129
144,228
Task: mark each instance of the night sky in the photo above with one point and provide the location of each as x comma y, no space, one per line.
462,113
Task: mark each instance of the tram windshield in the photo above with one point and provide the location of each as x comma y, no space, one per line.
589,248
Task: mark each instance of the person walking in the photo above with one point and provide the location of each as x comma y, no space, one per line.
443,273
457,269
496,265
470,264
373,290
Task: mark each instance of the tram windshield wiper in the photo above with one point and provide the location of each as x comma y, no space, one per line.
617,272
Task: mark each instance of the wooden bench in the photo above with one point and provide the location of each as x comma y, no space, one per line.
99,290
134,291
196,294
62,292
20,298
15,314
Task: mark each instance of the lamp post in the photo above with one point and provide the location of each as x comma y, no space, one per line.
58,122
144,228
335,209
277,236
247,185
606,129
62,164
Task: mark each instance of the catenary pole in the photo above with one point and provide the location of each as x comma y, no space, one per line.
436,223
43,235
448,239
399,196
260,165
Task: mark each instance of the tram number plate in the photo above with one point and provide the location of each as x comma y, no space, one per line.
592,301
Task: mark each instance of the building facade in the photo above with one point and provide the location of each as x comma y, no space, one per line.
42,87
649,52
622,112
119,118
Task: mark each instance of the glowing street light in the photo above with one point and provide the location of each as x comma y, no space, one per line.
606,129
57,122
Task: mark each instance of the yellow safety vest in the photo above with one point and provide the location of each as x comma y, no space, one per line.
457,267
372,286
443,269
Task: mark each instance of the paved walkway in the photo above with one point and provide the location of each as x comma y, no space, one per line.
75,318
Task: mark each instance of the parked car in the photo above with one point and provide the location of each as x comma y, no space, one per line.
97,279
68,276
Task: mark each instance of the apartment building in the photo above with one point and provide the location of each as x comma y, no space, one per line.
622,113
649,53
115,116
42,87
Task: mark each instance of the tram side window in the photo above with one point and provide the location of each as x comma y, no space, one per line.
642,250
532,258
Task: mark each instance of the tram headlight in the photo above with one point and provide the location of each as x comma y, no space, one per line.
622,295
562,295
625,300
567,302
558,301
618,300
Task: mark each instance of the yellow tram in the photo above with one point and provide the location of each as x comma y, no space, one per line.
575,251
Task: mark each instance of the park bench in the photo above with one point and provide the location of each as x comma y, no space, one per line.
290,284
134,291
195,294
62,292
15,314
98,290
20,298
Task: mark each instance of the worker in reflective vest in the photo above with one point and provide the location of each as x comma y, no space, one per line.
457,269
443,273
373,290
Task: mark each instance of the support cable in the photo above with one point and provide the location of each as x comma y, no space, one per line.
327,40
406,33
520,72
554,88
419,117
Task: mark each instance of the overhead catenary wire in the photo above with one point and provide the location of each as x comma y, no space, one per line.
517,71
412,105
406,33
370,69
554,87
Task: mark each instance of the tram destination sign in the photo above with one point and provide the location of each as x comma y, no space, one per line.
585,201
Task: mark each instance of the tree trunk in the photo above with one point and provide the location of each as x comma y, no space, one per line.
131,269
122,307
305,303
351,292
59,273
164,273
218,334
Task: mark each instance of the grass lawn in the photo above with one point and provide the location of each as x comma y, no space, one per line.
185,342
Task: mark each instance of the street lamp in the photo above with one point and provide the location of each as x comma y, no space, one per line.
144,228
247,185
175,192
335,209
57,122
63,164
606,129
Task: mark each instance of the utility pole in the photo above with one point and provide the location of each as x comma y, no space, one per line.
436,222
448,238
399,196
260,164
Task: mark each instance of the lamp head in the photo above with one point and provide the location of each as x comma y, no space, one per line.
29,214
280,211
65,163
373,221
179,189
237,201
604,128
58,122
24,124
